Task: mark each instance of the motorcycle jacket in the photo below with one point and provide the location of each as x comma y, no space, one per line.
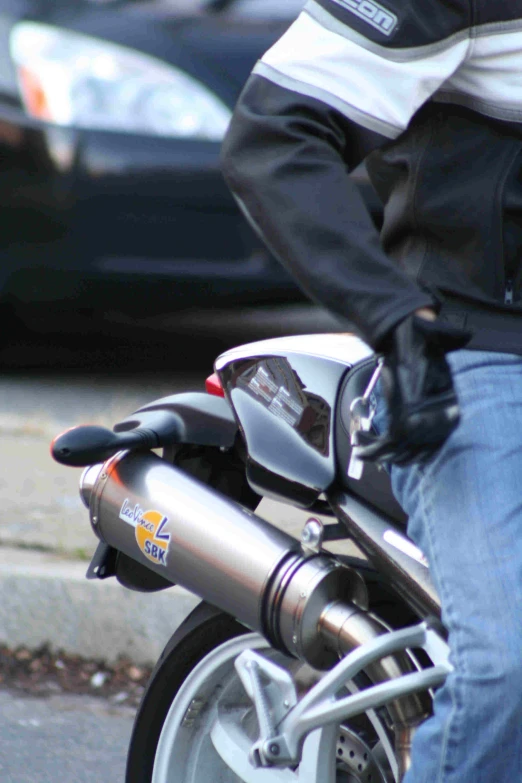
430,94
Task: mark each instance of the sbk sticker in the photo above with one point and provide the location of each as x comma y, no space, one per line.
150,529
152,538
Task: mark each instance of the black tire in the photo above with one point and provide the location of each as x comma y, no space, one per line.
203,630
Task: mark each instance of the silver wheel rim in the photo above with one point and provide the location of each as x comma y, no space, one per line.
211,725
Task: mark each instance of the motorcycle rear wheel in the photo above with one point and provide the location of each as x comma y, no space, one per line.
196,722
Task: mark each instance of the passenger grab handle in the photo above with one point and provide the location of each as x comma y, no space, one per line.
86,445
189,417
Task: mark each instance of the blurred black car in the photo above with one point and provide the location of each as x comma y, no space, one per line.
111,118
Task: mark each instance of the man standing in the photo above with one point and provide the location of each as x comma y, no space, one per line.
430,93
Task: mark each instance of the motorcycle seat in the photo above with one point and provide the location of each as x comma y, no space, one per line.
374,486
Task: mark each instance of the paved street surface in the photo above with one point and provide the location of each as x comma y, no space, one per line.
70,739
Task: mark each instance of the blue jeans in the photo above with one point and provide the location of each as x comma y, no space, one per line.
465,513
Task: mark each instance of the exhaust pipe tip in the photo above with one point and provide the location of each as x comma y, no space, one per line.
88,479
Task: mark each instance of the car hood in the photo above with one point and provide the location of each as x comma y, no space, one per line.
213,47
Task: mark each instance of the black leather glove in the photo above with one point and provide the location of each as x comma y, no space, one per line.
422,403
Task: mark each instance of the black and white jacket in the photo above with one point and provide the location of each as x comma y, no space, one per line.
430,93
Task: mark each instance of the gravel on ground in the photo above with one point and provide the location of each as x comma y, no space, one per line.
44,673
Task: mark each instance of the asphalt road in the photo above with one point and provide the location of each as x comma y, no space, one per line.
62,739
188,340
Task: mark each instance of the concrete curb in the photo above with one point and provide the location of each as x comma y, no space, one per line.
47,600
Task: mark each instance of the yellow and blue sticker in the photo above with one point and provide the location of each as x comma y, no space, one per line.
150,529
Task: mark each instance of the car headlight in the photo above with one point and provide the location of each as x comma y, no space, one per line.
75,80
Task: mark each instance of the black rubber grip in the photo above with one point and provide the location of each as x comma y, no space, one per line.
86,445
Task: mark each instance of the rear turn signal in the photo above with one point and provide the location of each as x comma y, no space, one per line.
213,385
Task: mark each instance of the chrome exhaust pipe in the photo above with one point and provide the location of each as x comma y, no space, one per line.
196,537
313,607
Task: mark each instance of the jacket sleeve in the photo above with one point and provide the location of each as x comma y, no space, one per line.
293,138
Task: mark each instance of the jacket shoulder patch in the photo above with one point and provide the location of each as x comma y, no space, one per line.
373,13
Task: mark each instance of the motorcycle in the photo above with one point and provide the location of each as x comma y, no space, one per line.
299,664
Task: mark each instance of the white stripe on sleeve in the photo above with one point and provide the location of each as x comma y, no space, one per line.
368,88
491,80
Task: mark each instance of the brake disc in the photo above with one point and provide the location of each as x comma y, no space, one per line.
356,761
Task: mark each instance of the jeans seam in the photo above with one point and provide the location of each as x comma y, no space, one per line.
454,686
444,745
